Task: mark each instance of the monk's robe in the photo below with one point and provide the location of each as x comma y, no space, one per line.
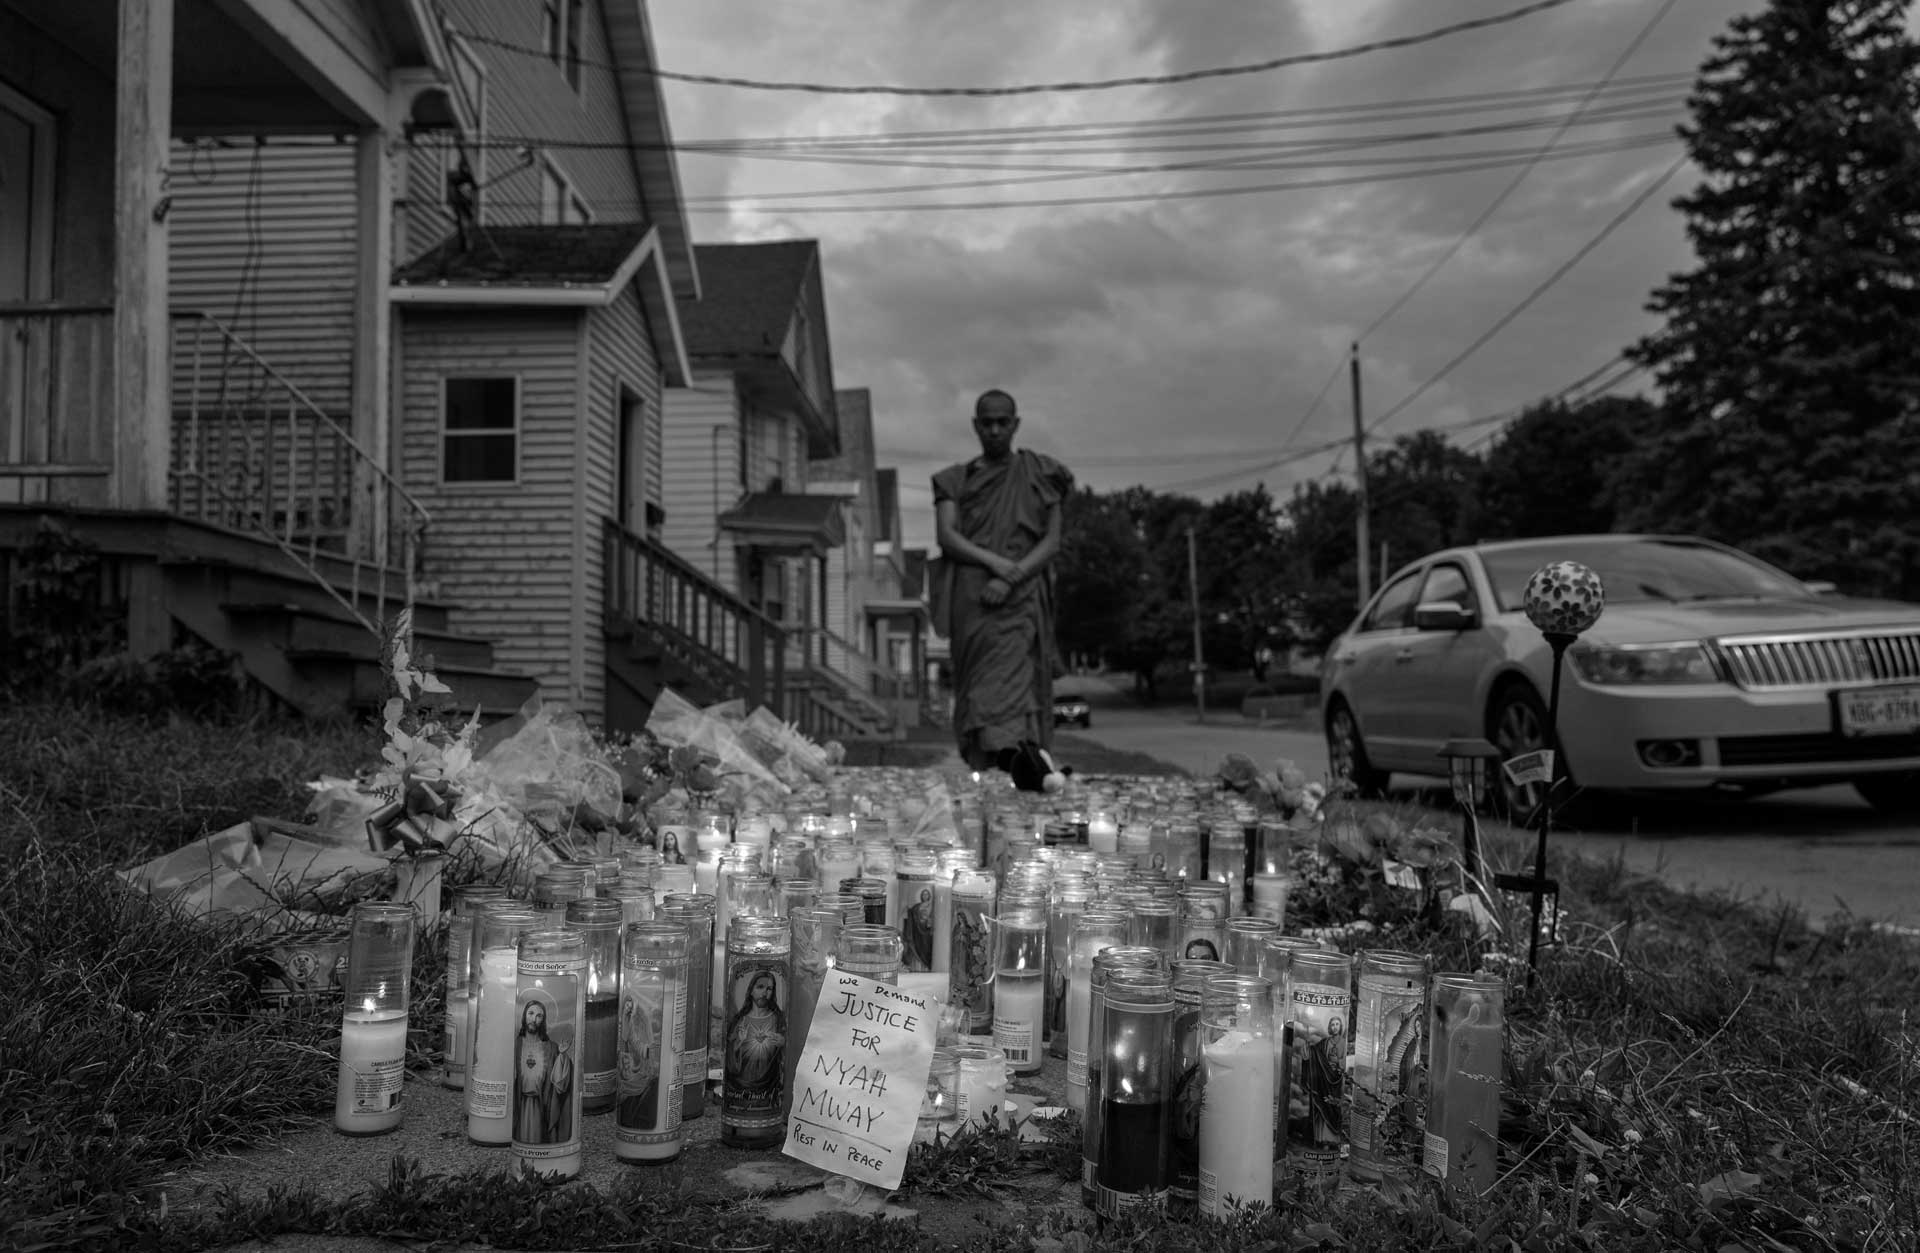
1003,655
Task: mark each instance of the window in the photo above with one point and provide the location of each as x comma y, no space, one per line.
480,430
551,22
1448,582
560,23
571,64
1394,608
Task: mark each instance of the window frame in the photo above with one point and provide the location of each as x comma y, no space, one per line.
1414,578
515,432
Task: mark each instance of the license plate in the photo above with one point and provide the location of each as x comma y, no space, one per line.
1879,710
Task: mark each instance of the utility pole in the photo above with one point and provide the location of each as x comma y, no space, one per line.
1359,479
1199,660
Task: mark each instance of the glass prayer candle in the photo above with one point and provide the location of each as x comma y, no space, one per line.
752,893
600,921
1271,841
1105,963
835,860
548,1010
373,1025
694,911
586,868
758,997
1189,1082
1227,866
1200,939
1314,1045
459,986
654,970
870,951
1389,1017
876,862
1019,991
793,859
852,906
1067,901
1096,929
1270,897
1237,1127
1276,955
416,882
940,1102
1136,1045
815,933
606,872
982,1083
1465,1034
1245,936
914,873
672,878
1153,924
1103,831
496,960
636,903
970,963
795,893
947,863
553,888
873,895
1183,851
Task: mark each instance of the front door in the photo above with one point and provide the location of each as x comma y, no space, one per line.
26,164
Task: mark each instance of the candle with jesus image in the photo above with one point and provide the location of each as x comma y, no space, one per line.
549,1005
758,989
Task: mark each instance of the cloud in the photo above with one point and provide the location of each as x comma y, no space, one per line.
1158,331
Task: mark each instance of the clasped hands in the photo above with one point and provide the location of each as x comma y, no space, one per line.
1006,573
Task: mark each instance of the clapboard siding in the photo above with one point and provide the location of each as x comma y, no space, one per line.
530,103
265,239
504,556
621,358
701,472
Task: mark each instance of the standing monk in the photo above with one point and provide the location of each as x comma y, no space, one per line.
997,518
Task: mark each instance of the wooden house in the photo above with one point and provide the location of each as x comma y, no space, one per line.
312,308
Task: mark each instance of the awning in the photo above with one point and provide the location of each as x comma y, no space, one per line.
787,524
896,609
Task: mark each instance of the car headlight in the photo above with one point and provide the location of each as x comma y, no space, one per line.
1629,664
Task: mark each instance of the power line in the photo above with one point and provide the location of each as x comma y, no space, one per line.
1492,208
1619,219
1028,89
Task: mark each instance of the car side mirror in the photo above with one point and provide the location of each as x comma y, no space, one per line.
1442,615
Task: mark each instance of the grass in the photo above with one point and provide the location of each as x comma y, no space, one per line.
1688,1071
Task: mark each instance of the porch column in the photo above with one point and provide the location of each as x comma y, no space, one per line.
142,396
372,339
143,124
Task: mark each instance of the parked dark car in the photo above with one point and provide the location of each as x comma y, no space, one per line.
1709,669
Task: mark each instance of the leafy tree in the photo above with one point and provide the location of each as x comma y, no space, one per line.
1791,351
1554,469
1101,568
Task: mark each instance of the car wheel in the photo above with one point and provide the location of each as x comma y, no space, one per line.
1517,723
1086,723
1897,793
1347,754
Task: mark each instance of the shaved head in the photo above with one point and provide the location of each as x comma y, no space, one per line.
998,402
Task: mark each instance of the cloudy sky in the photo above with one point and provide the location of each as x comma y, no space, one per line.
1178,340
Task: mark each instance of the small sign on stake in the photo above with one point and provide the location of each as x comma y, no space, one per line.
861,1078
1533,767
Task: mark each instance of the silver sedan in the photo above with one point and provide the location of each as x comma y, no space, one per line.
1709,669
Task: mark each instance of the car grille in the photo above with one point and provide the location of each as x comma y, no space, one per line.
1821,661
1787,750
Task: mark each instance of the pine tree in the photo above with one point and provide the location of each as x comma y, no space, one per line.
1790,357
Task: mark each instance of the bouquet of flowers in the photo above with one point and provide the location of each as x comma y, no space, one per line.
1283,790
426,759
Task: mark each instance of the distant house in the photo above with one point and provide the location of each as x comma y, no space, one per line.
314,308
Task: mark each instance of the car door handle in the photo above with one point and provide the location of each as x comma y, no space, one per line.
1345,659
1402,657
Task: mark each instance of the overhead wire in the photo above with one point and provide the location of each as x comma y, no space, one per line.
1045,88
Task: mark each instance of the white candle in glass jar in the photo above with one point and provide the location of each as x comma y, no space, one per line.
490,1062
1103,833
1079,1024
942,923
458,1028
1017,1016
373,1069
1236,1123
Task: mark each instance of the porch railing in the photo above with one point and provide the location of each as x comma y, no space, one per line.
56,402
702,625
841,655
253,452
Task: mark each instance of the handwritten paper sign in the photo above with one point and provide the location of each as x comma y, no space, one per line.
857,1091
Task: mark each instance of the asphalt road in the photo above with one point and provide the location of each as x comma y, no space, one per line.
1821,849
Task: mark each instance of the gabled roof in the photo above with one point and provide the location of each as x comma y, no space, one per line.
552,266
527,257
748,294
786,521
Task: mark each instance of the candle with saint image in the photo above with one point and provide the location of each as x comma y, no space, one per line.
373,1029
498,927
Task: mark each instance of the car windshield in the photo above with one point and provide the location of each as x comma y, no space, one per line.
1670,570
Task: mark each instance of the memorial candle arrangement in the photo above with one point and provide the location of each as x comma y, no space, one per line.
373,1026
549,1012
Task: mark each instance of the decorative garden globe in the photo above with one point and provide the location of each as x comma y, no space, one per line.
1564,598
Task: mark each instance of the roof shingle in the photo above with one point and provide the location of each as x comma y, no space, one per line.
748,293
527,256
